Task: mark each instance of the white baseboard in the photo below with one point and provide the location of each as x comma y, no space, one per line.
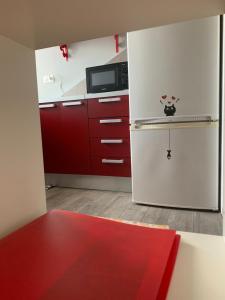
106,183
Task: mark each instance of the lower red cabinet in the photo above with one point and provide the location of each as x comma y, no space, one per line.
75,143
51,137
75,153
65,137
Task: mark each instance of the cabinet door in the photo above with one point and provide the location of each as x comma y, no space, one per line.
51,137
75,138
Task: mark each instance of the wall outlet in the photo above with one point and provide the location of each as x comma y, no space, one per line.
50,78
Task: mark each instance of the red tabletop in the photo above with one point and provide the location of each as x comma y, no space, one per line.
65,255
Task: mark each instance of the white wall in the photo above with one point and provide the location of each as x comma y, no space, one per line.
22,196
70,76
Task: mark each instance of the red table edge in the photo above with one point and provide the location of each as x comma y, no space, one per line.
164,287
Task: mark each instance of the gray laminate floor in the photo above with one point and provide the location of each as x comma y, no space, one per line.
119,205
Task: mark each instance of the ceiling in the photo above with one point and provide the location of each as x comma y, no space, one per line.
45,23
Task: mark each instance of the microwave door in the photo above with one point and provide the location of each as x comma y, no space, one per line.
107,78
102,80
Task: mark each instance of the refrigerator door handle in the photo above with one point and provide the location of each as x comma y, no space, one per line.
174,119
175,125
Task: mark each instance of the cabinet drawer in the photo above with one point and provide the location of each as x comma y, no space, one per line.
109,127
108,107
110,147
111,166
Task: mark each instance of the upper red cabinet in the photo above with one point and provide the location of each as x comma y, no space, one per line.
108,107
75,138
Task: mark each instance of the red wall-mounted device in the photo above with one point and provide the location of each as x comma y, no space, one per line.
65,52
116,36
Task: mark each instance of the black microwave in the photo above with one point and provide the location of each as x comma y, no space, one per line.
106,78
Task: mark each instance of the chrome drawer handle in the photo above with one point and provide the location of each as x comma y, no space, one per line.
109,121
108,100
112,141
75,103
112,161
46,105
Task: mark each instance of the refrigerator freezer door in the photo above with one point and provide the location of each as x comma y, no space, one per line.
188,180
180,60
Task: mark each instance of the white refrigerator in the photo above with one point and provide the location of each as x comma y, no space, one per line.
174,86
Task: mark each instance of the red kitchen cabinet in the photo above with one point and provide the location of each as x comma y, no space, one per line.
65,137
109,107
110,136
75,138
87,137
109,127
51,137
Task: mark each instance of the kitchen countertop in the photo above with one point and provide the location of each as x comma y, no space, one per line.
85,96
199,272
